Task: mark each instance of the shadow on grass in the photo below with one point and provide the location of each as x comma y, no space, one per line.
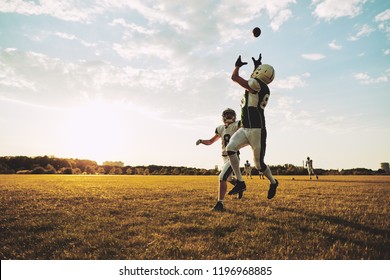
340,221
377,246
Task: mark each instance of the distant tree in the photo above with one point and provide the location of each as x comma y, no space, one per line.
76,171
129,171
49,169
101,170
164,171
114,163
90,169
176,171
38,170
112,171
66,170
140,170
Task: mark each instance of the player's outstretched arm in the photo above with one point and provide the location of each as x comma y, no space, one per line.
236,75
236,71
239,80
209,141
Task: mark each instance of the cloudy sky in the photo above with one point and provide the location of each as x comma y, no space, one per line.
141,81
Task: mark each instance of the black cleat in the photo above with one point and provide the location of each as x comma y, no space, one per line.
239,187
272,189
233,181
240,194
218,206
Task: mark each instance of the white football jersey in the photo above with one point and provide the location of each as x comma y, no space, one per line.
226,133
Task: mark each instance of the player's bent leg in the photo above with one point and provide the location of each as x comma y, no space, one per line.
222,190
238,141
235,164
221,195
226,172
240,184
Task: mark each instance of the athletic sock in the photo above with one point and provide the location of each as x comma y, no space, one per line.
267,173
235,163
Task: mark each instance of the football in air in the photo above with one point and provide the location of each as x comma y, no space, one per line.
256,32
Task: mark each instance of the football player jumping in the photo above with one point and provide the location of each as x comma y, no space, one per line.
253,132
224,132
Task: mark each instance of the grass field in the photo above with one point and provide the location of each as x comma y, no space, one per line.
169,217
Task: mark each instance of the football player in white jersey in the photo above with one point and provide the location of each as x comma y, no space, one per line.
248,169
309,166
253,131
224,132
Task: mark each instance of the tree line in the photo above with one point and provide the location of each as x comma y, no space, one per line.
54,165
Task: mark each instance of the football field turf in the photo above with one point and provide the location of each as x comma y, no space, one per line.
169,217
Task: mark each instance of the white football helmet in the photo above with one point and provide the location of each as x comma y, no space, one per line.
229,116
265,73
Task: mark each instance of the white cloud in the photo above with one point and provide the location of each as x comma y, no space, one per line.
386,52
292,115
161,12
65,36
131,50
383,21
39,79
132,26
365,79
332,9
363,31
9,78
239,12
65,10
291,82
280,18
333,45
313,56
384,16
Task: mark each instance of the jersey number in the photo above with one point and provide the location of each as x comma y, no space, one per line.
264,101
226,139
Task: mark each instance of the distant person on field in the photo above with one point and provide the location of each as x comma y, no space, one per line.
248,169
309,166
224,132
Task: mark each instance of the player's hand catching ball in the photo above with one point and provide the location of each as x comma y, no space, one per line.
257,62
239,63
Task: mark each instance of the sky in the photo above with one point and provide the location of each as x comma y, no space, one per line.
141,81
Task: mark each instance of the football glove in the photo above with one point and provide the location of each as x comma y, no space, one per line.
257,62
198,142
239,63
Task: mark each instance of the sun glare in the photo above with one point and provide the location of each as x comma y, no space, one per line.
95,131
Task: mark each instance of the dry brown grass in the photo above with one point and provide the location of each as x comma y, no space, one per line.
169,217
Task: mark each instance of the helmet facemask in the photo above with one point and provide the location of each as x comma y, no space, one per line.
229,116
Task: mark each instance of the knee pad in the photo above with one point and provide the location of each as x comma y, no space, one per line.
230,153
